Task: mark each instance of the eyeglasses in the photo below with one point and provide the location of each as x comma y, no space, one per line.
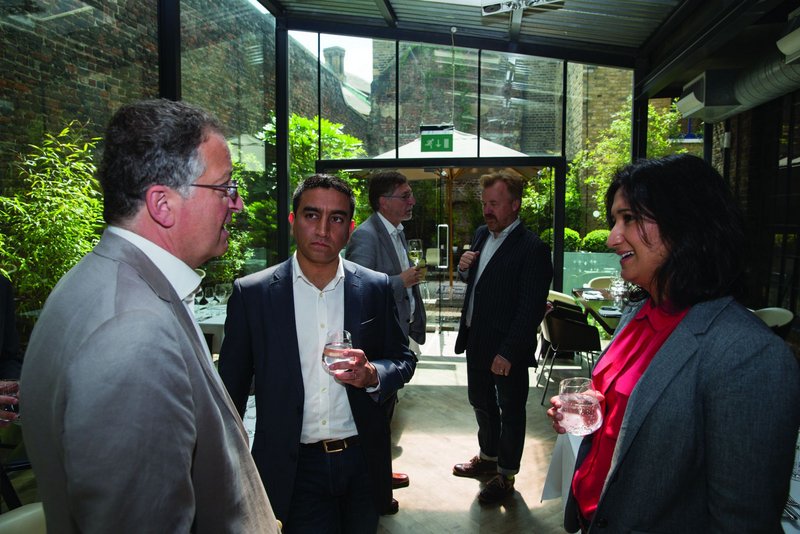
405,197
230,190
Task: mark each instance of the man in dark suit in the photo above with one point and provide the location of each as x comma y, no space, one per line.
508,271
380,244
322,442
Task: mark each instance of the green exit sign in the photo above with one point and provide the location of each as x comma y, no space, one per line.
436,138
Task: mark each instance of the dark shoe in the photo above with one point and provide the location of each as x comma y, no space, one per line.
475,468
393,508
399,480
496,490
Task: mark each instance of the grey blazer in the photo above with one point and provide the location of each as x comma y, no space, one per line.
126,422
707,441
371,246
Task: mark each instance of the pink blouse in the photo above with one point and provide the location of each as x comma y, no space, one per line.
615,376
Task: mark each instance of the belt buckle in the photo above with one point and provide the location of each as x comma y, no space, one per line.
330,441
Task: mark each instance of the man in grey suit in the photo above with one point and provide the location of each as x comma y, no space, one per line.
127,423
380,244
508,273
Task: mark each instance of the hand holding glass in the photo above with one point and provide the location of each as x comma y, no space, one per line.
580,407
335,350
9,412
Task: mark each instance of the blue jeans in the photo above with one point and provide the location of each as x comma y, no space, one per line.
332,494
499,404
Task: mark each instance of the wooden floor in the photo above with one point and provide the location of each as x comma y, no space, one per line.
434,427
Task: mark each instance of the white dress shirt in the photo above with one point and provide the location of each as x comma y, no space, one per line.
326,408
402,256
489,248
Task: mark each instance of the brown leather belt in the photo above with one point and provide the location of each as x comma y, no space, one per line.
332,445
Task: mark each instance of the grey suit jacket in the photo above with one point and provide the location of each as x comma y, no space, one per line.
371,246
127,425
707,441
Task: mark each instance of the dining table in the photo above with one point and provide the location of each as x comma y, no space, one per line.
211,319
592,300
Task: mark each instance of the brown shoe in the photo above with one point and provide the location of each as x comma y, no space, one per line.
496,490
475,468
393,508
399,480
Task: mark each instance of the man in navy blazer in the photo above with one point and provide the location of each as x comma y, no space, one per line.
322,442
508,273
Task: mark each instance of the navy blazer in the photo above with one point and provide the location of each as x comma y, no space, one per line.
707,440
260,341
510,299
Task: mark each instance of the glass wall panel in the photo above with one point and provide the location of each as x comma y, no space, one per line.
598,141
66,60
521,104
438,85
228,68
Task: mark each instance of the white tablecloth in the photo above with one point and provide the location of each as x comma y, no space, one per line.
212,322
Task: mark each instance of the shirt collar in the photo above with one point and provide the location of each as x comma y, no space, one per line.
392,229
183,279
298,274
507,230
660,317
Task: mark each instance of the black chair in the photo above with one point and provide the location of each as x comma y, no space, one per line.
566,334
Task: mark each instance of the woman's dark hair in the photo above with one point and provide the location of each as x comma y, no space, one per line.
697,219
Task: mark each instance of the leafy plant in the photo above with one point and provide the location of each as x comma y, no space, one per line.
572,239
54,217
595,241
595,166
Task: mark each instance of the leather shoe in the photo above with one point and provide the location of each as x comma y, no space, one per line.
476,467
399,480
393,508
496,490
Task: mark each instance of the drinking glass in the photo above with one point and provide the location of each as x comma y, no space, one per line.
9,388
579,406
208,293
222,292
336,346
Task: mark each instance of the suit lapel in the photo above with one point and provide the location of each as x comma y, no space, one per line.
352,302
677,350
386,242
119,249
281,291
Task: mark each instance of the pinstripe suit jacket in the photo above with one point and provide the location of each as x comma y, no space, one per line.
509,300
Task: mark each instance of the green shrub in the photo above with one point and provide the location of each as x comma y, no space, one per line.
53,217
572,239
595,241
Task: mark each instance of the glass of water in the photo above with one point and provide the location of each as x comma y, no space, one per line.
579,406
336,346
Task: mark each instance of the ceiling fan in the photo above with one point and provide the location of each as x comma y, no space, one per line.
493,7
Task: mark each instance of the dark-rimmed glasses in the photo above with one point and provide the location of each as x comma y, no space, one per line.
230,190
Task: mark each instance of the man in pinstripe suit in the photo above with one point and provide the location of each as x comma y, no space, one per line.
508,271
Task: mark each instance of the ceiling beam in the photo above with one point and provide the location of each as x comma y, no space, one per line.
387,12
515,24
274,7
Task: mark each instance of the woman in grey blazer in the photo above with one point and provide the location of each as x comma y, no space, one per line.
699,396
